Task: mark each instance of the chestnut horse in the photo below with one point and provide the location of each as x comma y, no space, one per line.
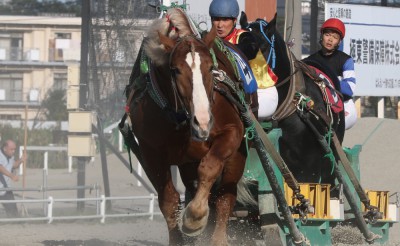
180,118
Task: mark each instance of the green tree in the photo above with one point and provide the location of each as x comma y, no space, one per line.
55,105
36,7
21,7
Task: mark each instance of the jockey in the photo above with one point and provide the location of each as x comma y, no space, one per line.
332,33
224,15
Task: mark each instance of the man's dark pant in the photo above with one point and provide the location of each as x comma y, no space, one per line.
11,208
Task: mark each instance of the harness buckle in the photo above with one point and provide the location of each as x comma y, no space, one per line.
219,75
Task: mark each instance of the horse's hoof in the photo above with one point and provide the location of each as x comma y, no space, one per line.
191,227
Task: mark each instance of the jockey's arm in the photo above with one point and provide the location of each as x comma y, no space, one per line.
248,45
348,82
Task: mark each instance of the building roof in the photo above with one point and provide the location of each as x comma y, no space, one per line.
39,20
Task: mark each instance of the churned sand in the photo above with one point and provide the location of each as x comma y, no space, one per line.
379,161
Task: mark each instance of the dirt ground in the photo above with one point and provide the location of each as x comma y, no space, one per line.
115,231
379,160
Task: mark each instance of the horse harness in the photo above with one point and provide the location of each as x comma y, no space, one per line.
178,113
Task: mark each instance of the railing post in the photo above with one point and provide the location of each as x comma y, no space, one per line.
103,208
139,171
398,110
151,208
50,209
21,168
358,107
69,164
44,190
97,201
381,108
46,161
120,142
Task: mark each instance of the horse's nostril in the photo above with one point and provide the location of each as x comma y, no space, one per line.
195,121
205,133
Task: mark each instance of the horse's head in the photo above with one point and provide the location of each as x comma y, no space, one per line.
273,47
269,28
191,65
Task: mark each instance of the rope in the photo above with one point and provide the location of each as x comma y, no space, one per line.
372,133
214,58
249,135
303,104
330,155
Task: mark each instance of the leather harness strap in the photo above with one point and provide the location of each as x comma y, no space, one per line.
276,157
350,172
296,85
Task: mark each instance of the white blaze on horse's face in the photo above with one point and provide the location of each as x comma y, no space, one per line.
201,120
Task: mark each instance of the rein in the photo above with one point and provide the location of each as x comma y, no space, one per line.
178,97
271,42
287,79
179,104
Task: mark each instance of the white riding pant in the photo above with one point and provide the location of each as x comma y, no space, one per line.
350,113
267,102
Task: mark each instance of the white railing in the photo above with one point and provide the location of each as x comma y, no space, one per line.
45,150
380,107
101,211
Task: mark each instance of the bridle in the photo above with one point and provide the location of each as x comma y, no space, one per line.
179,104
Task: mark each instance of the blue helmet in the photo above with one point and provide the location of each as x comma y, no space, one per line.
224,8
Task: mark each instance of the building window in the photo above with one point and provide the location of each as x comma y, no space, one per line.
60,81
62,35
11,87
11,46
10,117
59,45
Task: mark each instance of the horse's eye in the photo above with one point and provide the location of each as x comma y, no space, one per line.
175,70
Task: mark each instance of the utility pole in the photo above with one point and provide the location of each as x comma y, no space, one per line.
293,30
314,27
83,90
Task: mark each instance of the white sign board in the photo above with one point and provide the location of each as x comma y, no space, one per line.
373,40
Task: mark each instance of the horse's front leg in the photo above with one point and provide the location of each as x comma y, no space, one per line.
169,205
195,215
168,197
226,196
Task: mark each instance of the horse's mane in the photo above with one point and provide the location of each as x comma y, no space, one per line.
174,25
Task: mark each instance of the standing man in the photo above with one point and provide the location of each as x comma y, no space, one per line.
7,165
332,33
224,15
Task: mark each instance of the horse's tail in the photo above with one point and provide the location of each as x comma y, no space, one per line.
244,195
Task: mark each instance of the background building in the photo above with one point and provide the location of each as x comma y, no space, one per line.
34,55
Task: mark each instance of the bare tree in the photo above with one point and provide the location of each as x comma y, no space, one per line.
116,32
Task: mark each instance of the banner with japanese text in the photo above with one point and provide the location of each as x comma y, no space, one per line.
373,40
